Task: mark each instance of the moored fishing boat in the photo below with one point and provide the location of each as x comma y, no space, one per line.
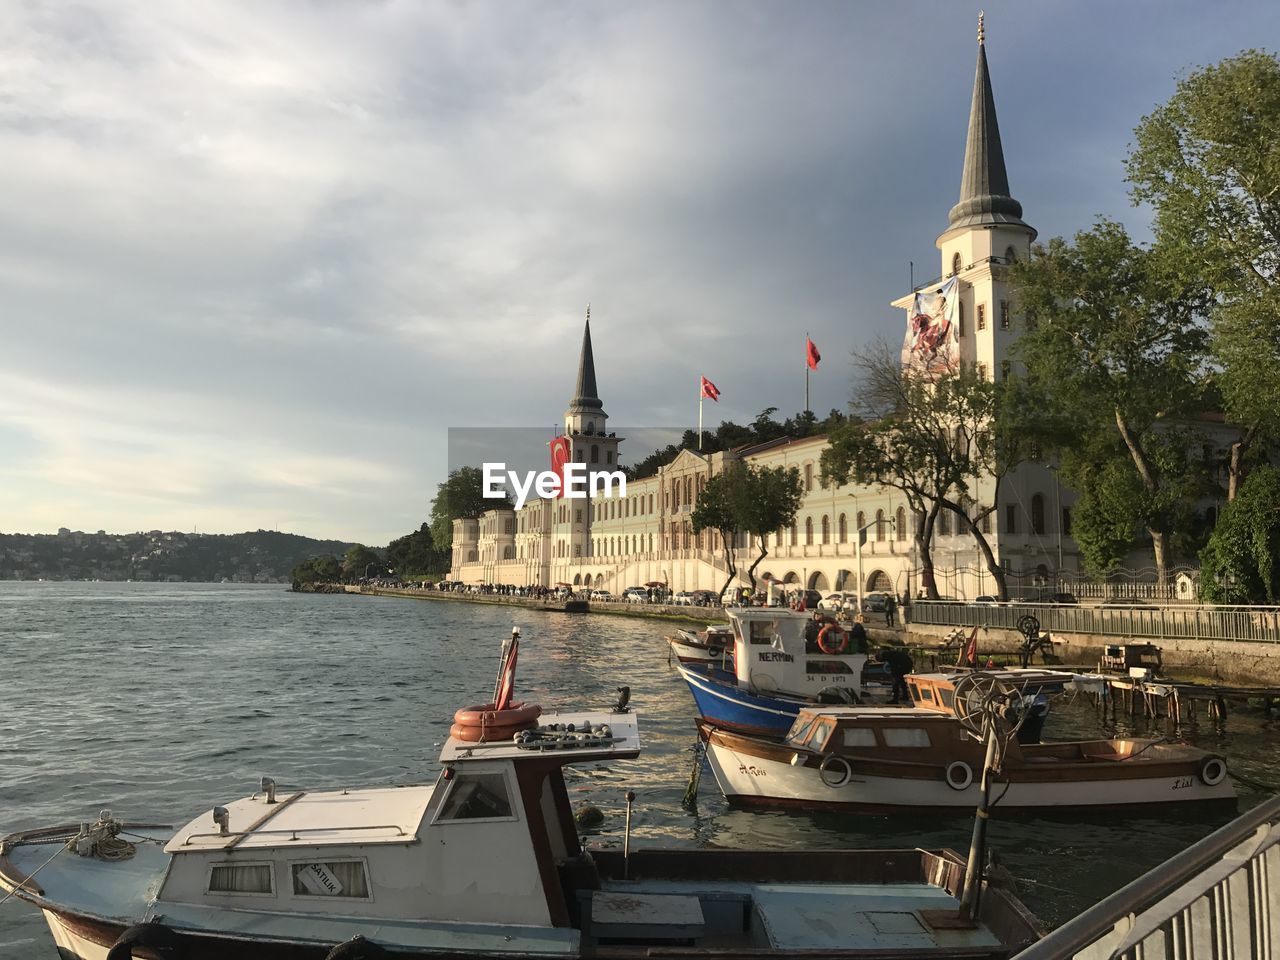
884,760
708,647
484,862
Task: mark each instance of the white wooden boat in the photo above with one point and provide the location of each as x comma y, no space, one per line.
917,759
484,862
709,646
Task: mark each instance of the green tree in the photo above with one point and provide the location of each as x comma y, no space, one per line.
360,560
1115,341
322,569
1241,562
764,500
714,510
415,554
1207,162
460,497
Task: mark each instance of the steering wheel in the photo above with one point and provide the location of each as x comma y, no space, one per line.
978,696
1028,626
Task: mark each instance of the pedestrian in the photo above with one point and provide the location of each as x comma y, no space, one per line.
889,608
905,606
900,664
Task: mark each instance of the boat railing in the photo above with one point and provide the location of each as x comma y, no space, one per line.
294,832
1221,890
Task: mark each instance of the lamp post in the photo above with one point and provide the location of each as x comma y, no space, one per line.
858,545
1057,520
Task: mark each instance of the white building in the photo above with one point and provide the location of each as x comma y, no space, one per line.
647,536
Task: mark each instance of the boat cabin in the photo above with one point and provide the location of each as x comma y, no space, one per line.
771,653
936,691
482,845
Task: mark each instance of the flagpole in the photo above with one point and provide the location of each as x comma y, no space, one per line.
701,394
806,371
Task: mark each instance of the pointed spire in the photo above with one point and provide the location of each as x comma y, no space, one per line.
584,395
984,185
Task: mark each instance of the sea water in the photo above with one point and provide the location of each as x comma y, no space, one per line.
158,701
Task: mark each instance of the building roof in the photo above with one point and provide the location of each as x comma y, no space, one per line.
984,184
585,393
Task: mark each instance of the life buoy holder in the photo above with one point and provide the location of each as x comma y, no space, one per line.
483,723
842,768
839,645
1213,770
357,948
158,940
959,775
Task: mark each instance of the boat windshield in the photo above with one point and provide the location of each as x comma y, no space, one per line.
800,729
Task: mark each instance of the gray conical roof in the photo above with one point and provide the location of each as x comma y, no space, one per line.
584,395
984,185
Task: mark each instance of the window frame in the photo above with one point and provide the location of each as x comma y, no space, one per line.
333,897
454,784
213,865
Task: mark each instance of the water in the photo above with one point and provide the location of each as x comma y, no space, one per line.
160,700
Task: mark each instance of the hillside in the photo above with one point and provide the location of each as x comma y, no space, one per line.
259,557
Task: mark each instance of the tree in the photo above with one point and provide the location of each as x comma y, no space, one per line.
766,500
1207,162
1241,562
1114,339
714,510
461,496
321,569
415,554
360,560
894,441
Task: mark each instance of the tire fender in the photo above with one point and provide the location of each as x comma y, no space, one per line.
959,775
156,937
835,771
1212,771
357,948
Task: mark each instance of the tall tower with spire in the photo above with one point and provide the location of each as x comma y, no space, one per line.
985,232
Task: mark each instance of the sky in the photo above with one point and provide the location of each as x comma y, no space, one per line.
256,258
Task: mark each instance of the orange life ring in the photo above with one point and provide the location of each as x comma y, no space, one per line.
840,646
483,723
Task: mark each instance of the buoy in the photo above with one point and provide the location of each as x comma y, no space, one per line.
483,723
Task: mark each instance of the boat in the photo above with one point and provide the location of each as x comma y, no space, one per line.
486,862
929,757
775,672
706,647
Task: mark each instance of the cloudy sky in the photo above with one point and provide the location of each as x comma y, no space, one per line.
256,257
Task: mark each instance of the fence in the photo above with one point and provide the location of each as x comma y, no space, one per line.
1261,624
1214,899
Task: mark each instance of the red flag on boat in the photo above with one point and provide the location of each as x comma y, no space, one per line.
507,685
710,390
811,354
970,656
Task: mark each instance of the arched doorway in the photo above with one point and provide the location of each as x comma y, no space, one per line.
842,579
818,581
599,580
879,582
791,577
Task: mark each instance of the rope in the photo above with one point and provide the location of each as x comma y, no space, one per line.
101,840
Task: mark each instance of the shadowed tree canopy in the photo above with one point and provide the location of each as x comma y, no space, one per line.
766,500
460,497
1241,562
714,510
1208,161
415,554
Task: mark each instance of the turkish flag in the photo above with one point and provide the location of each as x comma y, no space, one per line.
559,457
811,354
710,390
507,686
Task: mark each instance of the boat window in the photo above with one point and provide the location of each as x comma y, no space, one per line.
905,737
331,878
762,631
948,697
826,666
922,693
820,734
800,729
477,796
859,737
240,878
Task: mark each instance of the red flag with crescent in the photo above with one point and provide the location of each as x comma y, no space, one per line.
560,453
811,354
710,390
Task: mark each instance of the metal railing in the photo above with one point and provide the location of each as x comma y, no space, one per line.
1258,624
1214,899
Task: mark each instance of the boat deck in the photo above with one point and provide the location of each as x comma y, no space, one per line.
117,890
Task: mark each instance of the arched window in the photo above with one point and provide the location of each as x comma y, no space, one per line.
1010,255
955,264
1037,513
688,490
900,526
595,453
826,529
842,526
675,495
944,523
808,477
808,531
794,533
880,524
862,522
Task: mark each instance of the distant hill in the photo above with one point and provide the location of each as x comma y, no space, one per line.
259,557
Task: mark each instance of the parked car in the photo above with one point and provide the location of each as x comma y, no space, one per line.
875,602
702,598
985,599
601,595
1123,602
684,599
635,595
1059,598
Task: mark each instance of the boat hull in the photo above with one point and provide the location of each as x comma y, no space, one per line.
753,772
720,700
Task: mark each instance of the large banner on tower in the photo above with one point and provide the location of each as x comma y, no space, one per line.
932,346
